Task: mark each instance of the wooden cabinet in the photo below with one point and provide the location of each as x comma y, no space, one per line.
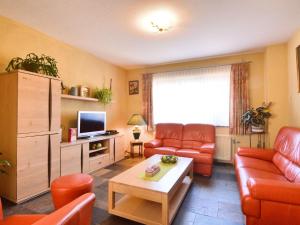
99,162
29,133
119,148
111,150
32,166
54,156
70,159
33,103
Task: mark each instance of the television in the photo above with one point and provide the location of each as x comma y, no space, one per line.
91,123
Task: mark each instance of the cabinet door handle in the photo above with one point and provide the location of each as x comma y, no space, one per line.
99,162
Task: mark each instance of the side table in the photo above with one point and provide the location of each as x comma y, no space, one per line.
140,146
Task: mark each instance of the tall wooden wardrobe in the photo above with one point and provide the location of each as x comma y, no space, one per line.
29,133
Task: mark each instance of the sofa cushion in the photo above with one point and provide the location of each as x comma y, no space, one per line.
198,157
199,133
287,143
250,206
242,161
170,134
172,143
160,150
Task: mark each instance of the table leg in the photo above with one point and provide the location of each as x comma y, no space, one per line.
165,209
132,151
191,173
111,197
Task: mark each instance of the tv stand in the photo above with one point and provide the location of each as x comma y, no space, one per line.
89,155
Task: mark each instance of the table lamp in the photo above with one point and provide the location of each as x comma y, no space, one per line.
136,120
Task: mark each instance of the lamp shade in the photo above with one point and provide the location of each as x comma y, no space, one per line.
136,120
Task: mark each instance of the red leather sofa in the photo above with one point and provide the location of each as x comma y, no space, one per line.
269,181
77,212
195,141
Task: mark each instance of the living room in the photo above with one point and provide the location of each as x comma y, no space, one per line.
176,145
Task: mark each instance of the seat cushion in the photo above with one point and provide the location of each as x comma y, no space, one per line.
247,162
198,157
250,206
160,150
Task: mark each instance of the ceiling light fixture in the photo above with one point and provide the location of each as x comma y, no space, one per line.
158,21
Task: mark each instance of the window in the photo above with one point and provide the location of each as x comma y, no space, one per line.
192,96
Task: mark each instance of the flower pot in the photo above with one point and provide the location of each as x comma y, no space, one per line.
257,129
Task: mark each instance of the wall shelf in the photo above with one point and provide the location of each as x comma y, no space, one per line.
97,150
79,98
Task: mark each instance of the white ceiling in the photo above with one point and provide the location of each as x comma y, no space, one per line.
206,28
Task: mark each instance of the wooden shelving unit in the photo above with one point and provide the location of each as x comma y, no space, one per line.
98,149
79,98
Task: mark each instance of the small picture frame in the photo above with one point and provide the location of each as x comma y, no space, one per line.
133,87
298,66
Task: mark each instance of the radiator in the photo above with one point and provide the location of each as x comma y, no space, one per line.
223,147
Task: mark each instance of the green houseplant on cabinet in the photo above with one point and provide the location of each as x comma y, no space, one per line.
255,119
33,63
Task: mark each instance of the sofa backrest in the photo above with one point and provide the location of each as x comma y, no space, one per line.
170,134
194,135
287,156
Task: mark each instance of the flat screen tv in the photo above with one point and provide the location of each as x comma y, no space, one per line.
91,123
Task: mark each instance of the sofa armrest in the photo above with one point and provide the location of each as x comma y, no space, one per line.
264,154
206,148
153,144
1,211
274,190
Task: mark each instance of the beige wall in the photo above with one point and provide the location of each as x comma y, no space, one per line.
276,87
256,79
293,84
76,67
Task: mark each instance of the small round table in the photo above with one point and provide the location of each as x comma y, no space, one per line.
133,144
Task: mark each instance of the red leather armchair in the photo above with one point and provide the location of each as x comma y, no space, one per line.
195,141
77,212
269,181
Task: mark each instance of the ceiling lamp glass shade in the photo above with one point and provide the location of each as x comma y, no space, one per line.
136,120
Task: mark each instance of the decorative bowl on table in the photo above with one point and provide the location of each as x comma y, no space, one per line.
170,159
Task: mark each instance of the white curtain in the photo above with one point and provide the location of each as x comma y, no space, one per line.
192,96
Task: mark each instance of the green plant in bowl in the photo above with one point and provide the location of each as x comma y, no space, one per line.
171,159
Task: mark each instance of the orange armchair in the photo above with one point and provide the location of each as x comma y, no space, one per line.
77,212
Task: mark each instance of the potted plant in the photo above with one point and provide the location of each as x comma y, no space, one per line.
255,119
3,165
104,95
43,64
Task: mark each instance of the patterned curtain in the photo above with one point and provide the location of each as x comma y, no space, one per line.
239,97
147,100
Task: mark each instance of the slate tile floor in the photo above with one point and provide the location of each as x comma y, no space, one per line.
210,201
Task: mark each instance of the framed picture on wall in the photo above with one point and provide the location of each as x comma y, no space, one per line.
133,87
298,66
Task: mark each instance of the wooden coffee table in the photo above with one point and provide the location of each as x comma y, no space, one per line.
150,202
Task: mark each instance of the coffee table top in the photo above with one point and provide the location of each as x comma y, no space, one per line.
131,176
